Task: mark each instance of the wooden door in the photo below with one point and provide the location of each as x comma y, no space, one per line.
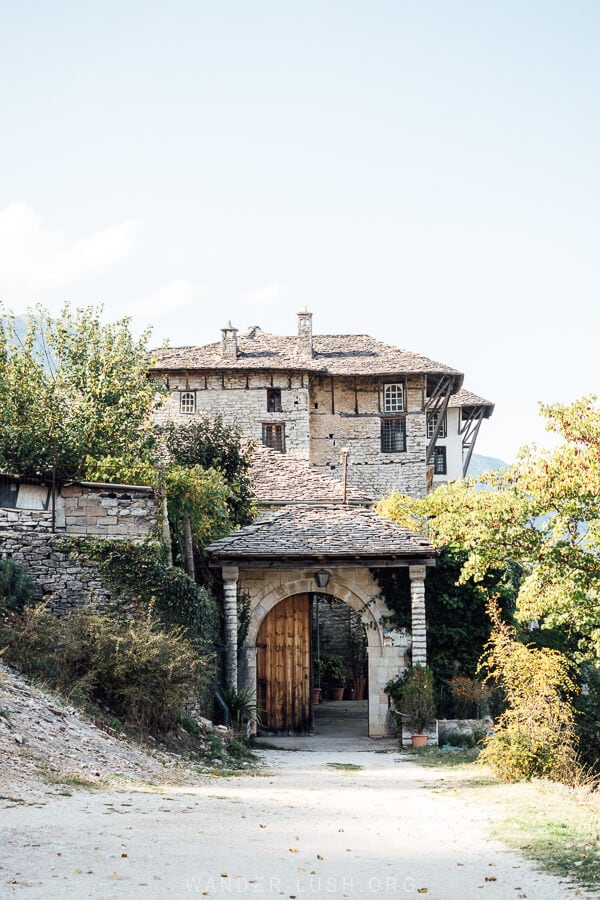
283,667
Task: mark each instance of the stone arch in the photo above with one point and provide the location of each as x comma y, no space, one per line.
369,608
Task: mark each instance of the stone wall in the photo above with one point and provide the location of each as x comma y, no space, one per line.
321,416
241,398
112,511
345,412
82,510
67,583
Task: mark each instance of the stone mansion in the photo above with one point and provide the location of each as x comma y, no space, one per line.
369,414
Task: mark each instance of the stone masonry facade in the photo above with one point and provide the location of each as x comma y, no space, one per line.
91,511
321,416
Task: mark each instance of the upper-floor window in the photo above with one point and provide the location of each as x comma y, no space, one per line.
187,401
393,435
432,420
439,461
393,398
274,436
274,400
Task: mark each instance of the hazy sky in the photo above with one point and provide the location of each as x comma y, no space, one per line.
427,173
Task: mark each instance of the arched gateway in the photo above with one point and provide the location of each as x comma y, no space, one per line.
284,558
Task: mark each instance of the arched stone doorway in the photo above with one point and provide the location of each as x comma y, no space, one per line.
386,649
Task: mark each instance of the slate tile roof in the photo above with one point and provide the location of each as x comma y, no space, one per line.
467,399
321,532
333,354
278,478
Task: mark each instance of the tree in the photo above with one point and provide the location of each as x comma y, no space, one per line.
543,513
72,387
210,443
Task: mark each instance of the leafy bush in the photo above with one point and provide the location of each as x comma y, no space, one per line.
535,735
16,587
139,670
138,573
471,697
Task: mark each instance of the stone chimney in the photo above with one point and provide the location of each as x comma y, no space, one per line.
305,344
229,349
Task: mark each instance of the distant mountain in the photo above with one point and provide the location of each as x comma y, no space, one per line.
480,464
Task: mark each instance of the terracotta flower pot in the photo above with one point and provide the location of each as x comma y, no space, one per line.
336,693
419,740
316,696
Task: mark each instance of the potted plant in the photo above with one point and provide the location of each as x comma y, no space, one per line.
412,695
333,674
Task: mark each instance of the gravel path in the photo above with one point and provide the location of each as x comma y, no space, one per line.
300,828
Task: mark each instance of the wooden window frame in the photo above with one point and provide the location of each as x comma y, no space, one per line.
274,400
273,436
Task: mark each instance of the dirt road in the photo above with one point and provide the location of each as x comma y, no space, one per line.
301,828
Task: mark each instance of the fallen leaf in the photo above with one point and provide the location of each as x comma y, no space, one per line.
123,856
490,878
319,856
224,875
293,849
422,890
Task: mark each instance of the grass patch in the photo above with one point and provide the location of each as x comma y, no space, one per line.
74,781
553,825
345,767
438,758
557,827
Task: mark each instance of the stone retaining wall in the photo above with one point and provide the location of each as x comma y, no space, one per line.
66,582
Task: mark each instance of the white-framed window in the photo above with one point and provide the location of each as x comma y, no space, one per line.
393,398
393,435
432,420
187,402
274,436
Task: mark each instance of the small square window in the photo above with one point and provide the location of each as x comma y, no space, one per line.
274,436
439,461
393,435
274,400
432,420
393,398
187,402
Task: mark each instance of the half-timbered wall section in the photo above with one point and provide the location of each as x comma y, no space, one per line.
244,399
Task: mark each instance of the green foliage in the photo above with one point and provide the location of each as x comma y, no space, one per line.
457,623
210,443
242,707
535,735
587,720
137,572
413,698
543,513
72,387
331,670
16,588
137,669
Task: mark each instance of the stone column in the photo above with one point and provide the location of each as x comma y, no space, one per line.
230,580
417,597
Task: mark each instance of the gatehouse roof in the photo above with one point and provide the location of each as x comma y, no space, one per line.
335,535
